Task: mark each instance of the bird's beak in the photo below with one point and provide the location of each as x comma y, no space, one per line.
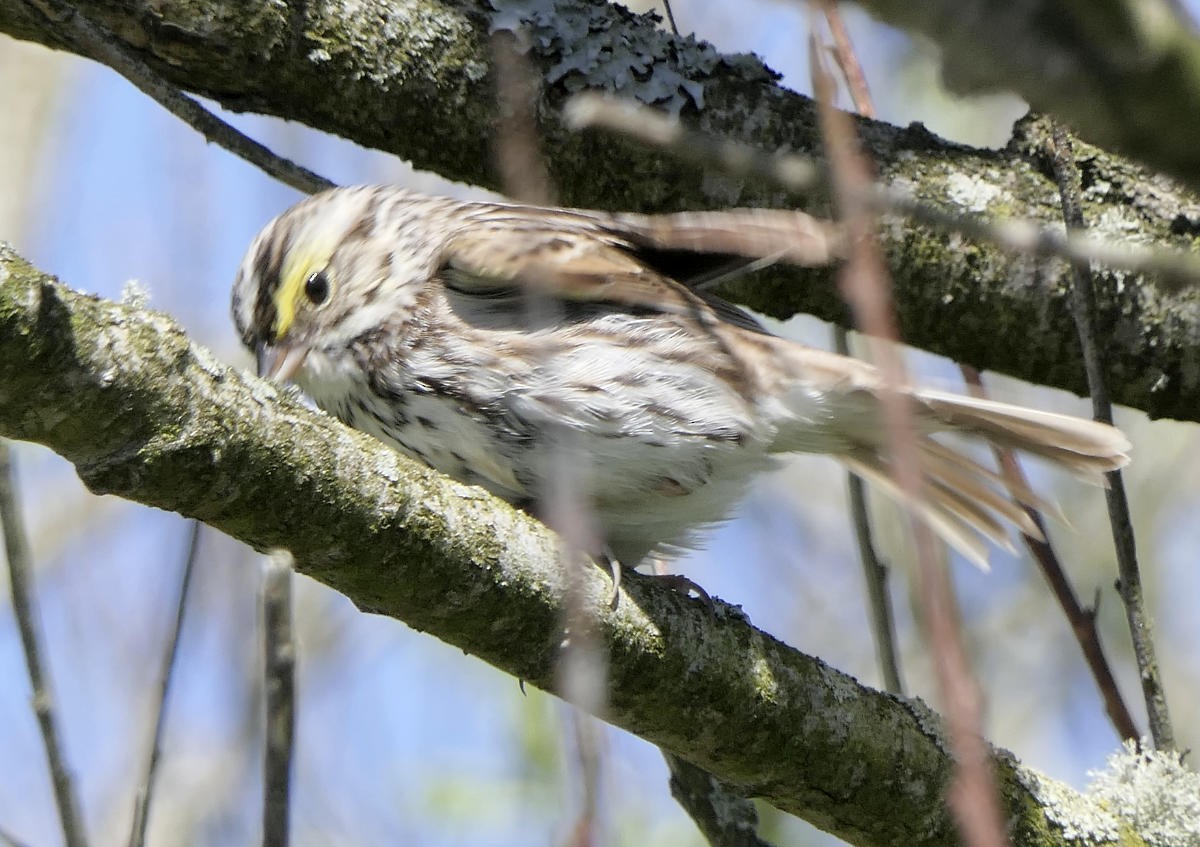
279,364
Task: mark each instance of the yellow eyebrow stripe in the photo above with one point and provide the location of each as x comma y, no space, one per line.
296,270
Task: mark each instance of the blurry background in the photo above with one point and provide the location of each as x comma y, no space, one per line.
400,738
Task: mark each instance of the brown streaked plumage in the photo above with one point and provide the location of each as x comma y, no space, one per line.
481,338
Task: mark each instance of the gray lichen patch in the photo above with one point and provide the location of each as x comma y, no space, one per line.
1077,817
388,51
592,46
973,193
1154,791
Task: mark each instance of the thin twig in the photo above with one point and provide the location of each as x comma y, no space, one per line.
670,17
145,795
1174,269
1130,587
92,40
875,572
279,652
866,287
16,548
1081,620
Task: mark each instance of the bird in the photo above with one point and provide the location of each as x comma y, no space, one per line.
490,340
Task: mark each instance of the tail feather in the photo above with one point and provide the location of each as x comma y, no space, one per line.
986,500
960,534
946,461
1086,448
963,501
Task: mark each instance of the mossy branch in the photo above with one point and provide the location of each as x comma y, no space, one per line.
144,414
412,77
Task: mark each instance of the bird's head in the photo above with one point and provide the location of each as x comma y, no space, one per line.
324,272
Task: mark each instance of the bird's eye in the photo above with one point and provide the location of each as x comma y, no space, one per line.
316,288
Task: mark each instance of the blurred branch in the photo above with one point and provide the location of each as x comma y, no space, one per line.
582,666
346,75
797,173
279,672
875,572
145,795
1083,623
143,414
20,575
725,818
866,286
847,59
8,841
1083,301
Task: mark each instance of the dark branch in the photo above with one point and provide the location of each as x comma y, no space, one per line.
1083,305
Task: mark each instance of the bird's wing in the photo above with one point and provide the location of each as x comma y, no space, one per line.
573,267
657,263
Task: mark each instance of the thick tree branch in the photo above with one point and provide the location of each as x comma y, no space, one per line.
411,77
1121,72
143,414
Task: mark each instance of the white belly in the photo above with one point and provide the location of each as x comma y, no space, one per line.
659,458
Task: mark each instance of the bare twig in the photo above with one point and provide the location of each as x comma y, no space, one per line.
875,572
670,16
866,287
279,652
1082,309
1174,269
145,794
1082,621
16,548
92,40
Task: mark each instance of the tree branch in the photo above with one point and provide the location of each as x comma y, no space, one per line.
141,413
1116,71
411,77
